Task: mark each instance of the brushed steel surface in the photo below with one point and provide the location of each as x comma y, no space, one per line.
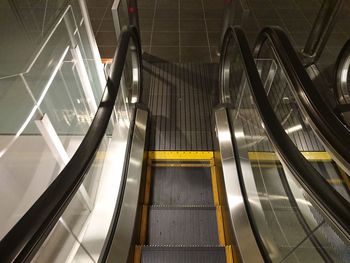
122,240
343,79
246,242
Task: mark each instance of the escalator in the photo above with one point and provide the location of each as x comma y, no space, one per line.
181,215
286,219
306,117
210,173
181,218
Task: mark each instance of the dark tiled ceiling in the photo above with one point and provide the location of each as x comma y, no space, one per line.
175,30
181,30
102,25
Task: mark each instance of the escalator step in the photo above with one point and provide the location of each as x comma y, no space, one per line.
181,185
180,102
183,254
186,226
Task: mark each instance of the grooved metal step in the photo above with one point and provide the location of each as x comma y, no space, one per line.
183,254
180,99
181,186
185,226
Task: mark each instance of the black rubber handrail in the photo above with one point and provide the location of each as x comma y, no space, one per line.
22,242
237,34
325,123
333,205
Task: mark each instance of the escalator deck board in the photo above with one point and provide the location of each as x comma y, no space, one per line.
181,186
182,226
183,254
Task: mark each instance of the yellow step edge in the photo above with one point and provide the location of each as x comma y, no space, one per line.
345,177
214,183
219,218
137,254
212,162
143,230
271,156
230,255
220,223
107,60
335,181
148,185
190,165
180,155
266,165
317,156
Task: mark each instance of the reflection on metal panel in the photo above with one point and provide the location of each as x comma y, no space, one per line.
246,242
123,235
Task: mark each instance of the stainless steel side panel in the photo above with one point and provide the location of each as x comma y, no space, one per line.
123,237
246,242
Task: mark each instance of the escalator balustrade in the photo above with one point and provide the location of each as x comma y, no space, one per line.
300,109
279,162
